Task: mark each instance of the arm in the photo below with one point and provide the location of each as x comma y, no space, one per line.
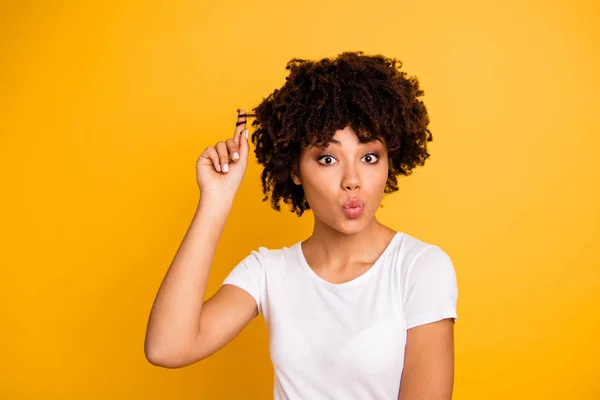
429,362
182,328
174,321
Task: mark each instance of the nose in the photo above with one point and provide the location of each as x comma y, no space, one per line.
351,180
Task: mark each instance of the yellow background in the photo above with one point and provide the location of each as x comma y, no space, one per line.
105,106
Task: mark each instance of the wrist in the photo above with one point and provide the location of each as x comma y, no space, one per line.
215,201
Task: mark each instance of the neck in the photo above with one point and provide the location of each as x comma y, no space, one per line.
337,249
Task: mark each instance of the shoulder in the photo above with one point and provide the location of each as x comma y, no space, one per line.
414,250
412,247
268,255
418,259
428,285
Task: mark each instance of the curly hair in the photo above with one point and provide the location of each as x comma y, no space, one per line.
367,92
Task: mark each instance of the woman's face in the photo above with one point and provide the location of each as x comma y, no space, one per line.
345,170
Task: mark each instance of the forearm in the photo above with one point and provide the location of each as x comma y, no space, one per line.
175,316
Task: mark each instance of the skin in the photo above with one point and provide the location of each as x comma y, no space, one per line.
428,372
174,338
341,249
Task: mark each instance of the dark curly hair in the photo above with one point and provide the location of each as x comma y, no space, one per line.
367,92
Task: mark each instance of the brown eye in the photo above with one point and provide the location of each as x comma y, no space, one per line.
370,157
328,160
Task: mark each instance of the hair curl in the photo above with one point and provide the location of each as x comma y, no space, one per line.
367,92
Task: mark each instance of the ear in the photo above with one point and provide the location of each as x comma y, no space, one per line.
296,175
296,179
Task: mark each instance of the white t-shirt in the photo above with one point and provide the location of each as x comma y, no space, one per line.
347,340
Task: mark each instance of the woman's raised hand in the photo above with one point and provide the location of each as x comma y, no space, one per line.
221,168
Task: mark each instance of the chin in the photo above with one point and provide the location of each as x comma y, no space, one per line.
351,226
351,230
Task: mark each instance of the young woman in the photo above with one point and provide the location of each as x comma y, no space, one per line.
355,311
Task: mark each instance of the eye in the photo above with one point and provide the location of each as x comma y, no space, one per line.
369,157
327,158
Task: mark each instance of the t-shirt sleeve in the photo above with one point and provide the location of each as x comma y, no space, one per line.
248,274
431,291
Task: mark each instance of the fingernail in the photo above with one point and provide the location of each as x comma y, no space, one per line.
219,167
225,168
246,133
236,156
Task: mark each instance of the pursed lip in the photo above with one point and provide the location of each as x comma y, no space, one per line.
354,203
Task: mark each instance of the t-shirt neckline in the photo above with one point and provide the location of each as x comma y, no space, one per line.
349,284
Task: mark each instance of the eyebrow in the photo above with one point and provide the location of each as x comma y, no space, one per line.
339,143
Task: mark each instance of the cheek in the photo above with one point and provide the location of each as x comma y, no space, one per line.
383,180
319,190
376,180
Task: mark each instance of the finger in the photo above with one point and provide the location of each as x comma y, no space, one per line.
221,148
241,121
244,146
214,157
210,155
233,149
